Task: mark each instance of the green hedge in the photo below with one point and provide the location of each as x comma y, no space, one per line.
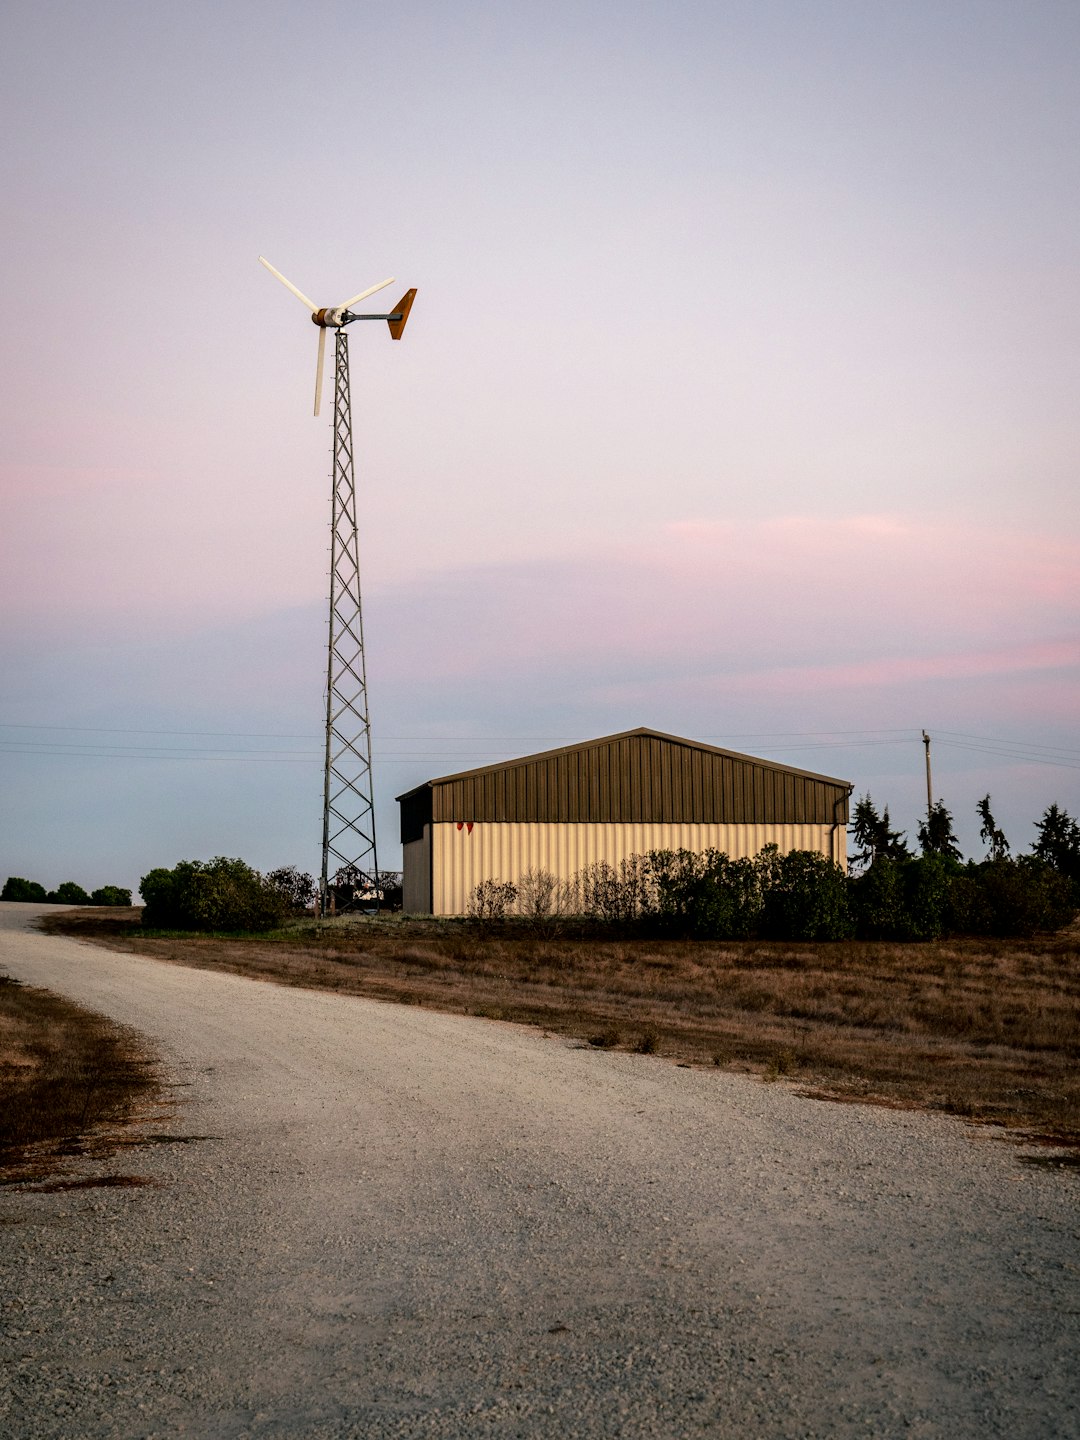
218,894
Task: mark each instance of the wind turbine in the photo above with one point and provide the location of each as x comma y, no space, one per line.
348,835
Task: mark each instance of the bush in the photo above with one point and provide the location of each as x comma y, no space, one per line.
927,886
616,896
219,894
16,888
917,899
1013,898
296,888
878,897
491,899
110,895
804,896
69,894
542,900
727,905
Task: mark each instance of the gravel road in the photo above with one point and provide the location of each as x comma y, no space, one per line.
402,1223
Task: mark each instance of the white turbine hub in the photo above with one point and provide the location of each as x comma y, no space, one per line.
330,318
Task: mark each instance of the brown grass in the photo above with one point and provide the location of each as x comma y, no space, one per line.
63,1072
985,1029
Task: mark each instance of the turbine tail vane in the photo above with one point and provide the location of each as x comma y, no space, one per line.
401,310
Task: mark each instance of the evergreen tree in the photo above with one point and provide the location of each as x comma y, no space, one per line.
936,834
1059,842
874,835
995,840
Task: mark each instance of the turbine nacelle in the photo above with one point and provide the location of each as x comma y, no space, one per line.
332,318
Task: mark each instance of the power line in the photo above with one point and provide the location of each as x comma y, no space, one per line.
1013,755
509,739
1024,744
1026,752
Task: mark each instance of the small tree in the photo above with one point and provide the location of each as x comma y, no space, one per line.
994,839
874,835
491,899
16,888
878,902
542,900
110,895
218,894
295,887
936,834
804,896
927,883
69,894
1059,843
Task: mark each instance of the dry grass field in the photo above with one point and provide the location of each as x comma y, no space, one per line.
985,1029
63,1071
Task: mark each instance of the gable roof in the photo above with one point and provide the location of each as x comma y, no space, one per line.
610,739
639,775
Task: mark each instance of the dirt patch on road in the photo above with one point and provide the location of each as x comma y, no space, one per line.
65,1072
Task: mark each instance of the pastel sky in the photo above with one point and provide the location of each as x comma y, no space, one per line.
740,399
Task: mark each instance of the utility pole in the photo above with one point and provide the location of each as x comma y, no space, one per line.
929,785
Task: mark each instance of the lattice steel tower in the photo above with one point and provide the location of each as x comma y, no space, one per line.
348,835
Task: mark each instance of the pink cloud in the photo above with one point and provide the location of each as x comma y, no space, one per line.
777,605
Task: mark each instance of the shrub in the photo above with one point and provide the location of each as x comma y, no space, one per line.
110,895
614,896
491,899
296,888
16,888
219,894
725,902
542,900
927,886
674,876
804,896
878,897
969,911
68,894
1022,896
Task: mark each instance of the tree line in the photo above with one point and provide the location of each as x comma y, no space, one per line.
16,888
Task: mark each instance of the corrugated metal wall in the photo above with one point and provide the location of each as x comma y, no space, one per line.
634,778
463,856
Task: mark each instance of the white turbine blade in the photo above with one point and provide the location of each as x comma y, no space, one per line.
288,284
319,368
347,304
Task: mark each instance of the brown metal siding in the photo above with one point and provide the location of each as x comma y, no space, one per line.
631,779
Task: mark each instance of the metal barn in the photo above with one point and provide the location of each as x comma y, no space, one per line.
606,799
